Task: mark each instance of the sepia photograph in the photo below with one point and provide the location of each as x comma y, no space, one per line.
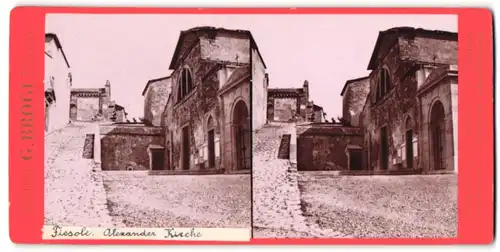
148,121
355,128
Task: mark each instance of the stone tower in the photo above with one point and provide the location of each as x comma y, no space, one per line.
107,90
306,90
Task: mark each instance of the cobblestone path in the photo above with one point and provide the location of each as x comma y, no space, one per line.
74,195
276,196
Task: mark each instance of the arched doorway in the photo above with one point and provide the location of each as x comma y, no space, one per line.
409,143
437,133
241,136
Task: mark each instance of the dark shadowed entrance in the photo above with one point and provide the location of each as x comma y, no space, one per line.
72,112
157,159
409,144
185,148
437,132
211,143
242,136
384,149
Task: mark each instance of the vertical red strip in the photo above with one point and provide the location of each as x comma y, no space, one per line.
26,124
475,126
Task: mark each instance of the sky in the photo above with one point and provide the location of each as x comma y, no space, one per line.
326,50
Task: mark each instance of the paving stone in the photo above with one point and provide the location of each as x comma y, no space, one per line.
74,195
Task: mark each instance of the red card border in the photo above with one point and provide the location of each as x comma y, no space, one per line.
475,151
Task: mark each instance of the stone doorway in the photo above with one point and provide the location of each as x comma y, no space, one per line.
409,144
355,159
185,148
242,136
157,159
211,142
384,148
409,149
437,132
211,148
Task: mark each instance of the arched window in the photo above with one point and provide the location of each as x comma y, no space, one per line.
384,84
185,83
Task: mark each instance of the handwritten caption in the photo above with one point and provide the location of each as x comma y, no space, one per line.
200,234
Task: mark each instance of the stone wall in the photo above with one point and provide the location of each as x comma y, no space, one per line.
125,146
87,108
399,110
321,146
211,55
428,49
194,110
354,99
155,100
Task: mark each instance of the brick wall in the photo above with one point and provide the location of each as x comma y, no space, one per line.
322,146
124,146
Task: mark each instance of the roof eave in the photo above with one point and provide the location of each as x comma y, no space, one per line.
371,63
176,51
58,45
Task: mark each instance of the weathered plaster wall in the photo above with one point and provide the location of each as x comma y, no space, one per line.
155,101
86,108
284,108
226,47
259,91
367,129
322,146
354,99
454,109
125,146
56,67
318,116
426,49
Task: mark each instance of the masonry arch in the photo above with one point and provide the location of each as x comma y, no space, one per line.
185,83
384,83
437,135
241,135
